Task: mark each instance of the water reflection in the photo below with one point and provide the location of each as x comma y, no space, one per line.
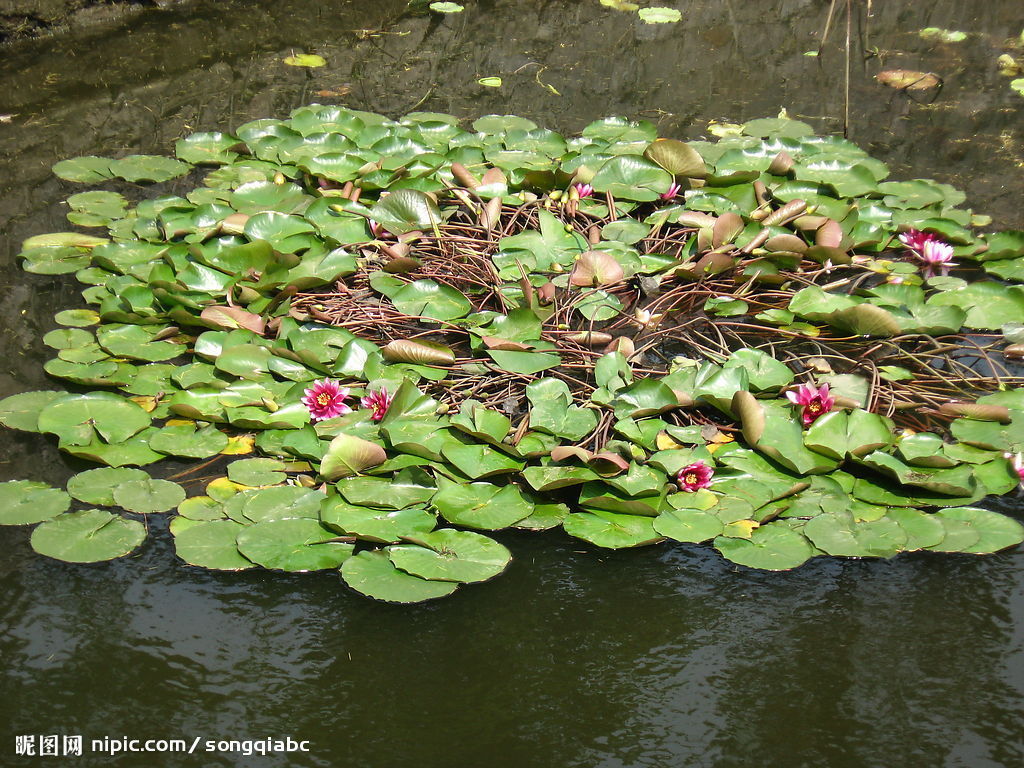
664,656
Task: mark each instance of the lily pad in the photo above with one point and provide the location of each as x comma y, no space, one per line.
449,555
21,411
23,502
149,495
96,486
295,545
993,531
212,544
612,530
480,505
771,547
379,525
89,536
77,419
372,573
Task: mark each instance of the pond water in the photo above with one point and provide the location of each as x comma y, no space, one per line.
664,656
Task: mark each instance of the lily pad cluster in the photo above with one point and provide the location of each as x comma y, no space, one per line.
551,329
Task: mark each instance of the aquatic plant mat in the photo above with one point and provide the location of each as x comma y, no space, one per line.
630,338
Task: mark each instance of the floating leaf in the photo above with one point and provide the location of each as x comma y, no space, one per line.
427,298
212,544
386,526
448,555
23,502
305,60
909,79
372,573
447,7
186,440
21,411
295,545
85,170
612,530
255,472
96,486
152,168
993,531
349,455
480,505
76,419
89,536
770,547
659,15
421,352
148,496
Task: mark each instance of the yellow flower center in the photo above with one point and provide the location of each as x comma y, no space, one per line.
323,399
814,407
691,477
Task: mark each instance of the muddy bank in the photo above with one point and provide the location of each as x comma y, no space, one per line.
32,18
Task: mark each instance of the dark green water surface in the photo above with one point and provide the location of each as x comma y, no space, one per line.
664,656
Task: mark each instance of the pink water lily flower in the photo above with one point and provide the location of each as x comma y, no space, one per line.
584,190
695,476
936,253
671,193
915,239
929,249
1018,465
816,402
379,401
325,399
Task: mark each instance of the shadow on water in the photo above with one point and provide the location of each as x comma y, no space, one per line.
666,656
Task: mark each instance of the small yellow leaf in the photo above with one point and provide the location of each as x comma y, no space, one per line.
147,403
179,423
666,443
223,489
239,445
305,60
741,529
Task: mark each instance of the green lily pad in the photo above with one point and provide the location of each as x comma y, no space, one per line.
148,496
96,486
449,555
89,536
254,472
379,525
688,525
212,544
21,411
771,547
427,298
279,502
631,177
406,489
612,530
151,168
207,148
923,530
372,573
77,419
294,545
23,502
85,170
480,505
186,440
993,531
405,210
838,533
553,413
